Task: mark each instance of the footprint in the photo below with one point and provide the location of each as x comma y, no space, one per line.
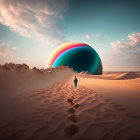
75,100
72,97
76,106
71,110
70,101
71,130
73,118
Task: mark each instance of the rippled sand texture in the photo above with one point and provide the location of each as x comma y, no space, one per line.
61,112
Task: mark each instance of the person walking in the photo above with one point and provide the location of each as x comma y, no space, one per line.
75,81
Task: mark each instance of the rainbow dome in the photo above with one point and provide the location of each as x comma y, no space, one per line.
79,56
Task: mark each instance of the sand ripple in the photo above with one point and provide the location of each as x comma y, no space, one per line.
61,112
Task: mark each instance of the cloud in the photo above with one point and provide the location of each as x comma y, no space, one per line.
135,39
4,49
35,19
94,36
129,46
87,36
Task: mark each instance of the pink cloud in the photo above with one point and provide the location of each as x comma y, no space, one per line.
130,45
134,39
34,19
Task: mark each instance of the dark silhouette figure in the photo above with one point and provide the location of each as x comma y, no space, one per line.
75,82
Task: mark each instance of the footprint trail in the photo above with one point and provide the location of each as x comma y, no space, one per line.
64,113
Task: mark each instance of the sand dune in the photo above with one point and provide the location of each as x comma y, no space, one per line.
93,111
18,79
115,75
129,75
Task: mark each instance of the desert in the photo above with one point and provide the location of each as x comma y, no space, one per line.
69,69
44,105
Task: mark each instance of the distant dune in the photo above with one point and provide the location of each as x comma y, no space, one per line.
128,75
115,75
42,104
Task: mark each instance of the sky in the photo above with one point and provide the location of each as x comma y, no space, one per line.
31,29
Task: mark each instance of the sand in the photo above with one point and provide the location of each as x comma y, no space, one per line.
102,108
17,80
